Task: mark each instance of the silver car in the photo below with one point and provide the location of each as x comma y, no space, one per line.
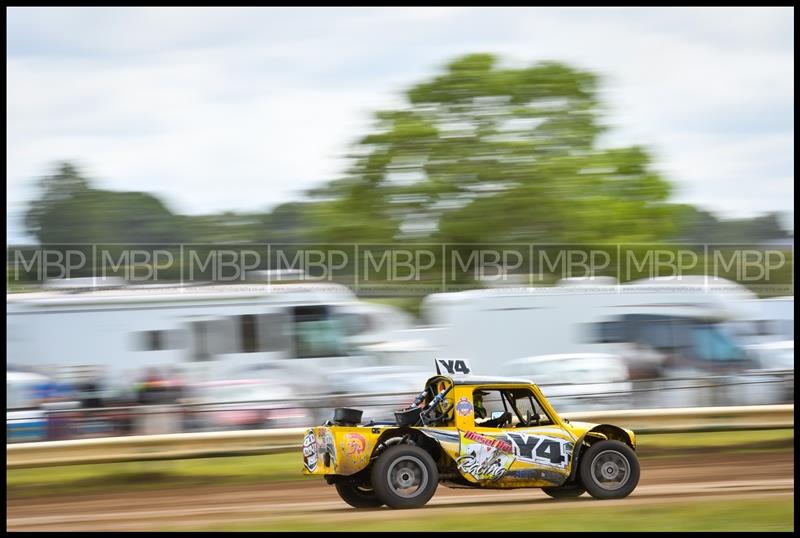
577,381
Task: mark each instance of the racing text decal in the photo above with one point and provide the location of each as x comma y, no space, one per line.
482,460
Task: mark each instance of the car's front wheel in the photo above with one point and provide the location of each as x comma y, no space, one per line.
361,496
569,491
405,476
609,470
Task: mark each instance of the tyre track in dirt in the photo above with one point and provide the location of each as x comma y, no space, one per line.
674,480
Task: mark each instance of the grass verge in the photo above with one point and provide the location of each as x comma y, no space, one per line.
142,475
103,477
775,514
651,445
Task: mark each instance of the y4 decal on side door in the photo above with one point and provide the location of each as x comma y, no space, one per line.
540,449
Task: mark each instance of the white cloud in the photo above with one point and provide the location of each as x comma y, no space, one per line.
268,100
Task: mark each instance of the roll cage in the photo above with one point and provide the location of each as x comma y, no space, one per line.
509,398
439,387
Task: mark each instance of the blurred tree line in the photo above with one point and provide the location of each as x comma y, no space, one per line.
71,210
479,154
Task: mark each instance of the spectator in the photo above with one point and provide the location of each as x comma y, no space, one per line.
89,393
154,389
60,404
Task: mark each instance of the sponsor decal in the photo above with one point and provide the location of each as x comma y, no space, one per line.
482,460
464,407
538,475
325,445
310,451
354,444
496,443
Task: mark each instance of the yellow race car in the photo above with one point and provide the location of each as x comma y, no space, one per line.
469,431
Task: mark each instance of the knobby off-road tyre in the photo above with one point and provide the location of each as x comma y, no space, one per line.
405,476
358,496
609,470
570,491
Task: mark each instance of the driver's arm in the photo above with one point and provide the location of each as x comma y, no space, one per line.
495,422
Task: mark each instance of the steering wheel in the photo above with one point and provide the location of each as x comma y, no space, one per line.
504,420
445,406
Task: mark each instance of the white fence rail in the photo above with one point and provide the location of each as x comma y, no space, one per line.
252,442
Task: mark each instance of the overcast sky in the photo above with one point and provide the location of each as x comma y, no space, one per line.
241,109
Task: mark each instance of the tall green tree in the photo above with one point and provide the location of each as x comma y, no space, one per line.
64,183
483,153
70,210
101,216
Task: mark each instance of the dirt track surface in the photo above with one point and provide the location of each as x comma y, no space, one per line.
662,481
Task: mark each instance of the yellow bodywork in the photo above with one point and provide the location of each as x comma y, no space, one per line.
509,457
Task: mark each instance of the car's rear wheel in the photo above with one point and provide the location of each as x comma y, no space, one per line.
405,476
361,496
609,470
570,491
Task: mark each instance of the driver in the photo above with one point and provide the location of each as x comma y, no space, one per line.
480,412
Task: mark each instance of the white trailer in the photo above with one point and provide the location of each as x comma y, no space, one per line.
657,325
203,332
767,320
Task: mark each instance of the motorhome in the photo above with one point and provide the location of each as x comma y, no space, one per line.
201,333
660,326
